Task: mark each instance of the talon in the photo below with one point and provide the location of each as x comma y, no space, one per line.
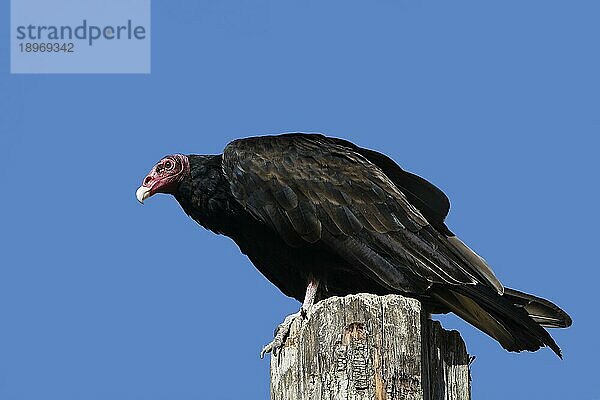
283,330
281,334
264,351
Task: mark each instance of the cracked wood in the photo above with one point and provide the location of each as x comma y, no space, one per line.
370,347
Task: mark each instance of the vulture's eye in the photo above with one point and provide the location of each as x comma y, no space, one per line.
168,165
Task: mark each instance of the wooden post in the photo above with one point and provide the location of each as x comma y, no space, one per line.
370,347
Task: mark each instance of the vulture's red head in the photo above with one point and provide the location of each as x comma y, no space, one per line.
164,177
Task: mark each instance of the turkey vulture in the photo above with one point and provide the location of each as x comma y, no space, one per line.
320,216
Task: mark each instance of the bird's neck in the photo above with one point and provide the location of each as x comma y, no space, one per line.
205,194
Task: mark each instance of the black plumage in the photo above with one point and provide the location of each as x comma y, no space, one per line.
306,205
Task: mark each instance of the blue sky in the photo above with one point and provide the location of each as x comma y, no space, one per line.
497,104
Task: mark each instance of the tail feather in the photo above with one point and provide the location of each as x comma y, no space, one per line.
541,310
497,316
471,312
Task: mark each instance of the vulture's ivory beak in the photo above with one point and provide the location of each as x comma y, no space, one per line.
142,193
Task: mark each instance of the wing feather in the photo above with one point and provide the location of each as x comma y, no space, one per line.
311,188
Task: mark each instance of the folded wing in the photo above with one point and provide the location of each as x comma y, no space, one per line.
312,188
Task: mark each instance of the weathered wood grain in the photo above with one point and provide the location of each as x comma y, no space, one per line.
370,347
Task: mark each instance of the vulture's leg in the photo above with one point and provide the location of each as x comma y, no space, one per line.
283,329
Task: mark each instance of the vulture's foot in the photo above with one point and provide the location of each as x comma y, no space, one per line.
282,332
